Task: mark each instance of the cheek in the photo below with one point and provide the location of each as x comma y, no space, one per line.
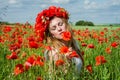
54,33
64,27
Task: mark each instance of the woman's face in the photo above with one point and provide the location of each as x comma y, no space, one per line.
57,27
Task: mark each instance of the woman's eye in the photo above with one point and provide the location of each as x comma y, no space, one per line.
53,28
60,23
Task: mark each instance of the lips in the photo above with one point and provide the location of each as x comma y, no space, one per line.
60,33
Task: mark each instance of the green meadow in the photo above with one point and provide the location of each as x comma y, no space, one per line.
99,45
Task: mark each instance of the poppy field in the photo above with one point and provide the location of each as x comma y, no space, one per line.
22,54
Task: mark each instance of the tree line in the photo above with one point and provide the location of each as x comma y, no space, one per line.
84,23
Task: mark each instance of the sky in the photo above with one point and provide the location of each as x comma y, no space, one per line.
96,11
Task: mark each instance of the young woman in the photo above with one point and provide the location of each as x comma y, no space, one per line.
53,28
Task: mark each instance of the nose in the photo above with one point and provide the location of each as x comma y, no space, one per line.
59,28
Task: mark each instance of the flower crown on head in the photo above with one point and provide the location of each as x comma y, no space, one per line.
43,18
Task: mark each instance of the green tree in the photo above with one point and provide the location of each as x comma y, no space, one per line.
84,23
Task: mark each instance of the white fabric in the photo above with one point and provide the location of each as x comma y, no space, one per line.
78,63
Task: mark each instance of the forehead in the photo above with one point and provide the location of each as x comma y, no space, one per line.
55,21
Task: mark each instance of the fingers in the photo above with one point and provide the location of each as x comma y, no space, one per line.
70,49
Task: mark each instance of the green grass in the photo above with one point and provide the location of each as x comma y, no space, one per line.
95,27
106,71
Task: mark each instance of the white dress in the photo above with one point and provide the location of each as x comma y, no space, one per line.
77,61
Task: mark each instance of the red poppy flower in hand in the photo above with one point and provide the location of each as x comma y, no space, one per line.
64,49
73,54
66,36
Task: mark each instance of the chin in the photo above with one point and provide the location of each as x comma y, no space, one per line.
59,38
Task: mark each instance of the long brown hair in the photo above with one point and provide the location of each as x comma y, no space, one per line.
56,43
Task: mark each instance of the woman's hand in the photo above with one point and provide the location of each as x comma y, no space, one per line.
72,53
68,53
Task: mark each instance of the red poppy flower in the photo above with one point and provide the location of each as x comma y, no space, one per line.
95,35
66,36
7,29
39,78
14,46
91,46
33,44
84,44
100,60
20,40
100,39
106,40
52,10
39,61
48,47
31,38
31,59
114,44
27,65
12,56
64,49
59,62
1,40
18,69
106,29
108,50
89,68
102,33
29,62
82,52
73,54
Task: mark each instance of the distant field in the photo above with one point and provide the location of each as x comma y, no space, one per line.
95,27
80,27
